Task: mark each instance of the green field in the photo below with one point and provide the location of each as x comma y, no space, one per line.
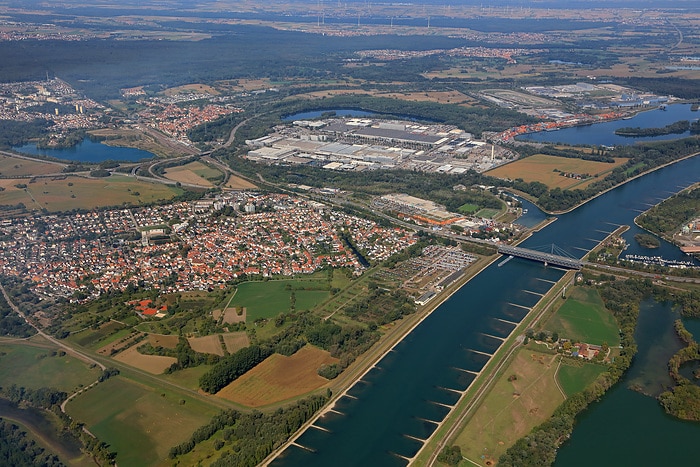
583,318
487,213
188,377
141,423
270,298
523,396
96,338
309,299
468,208
65,194
574,378
34,367
206,171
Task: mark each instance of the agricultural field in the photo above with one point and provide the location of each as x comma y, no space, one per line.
244,84
548,170
188,377
235,341
20,167
523,397
230,315
279,378
583,318
154,364
195,173
269,299
195,88
443,97
97,338
120,341
238,183
140,422
206,344
162,340
35,367
65,194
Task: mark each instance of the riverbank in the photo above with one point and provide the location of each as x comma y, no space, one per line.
367,362
566,211
43,430
482,385
664,235
400,404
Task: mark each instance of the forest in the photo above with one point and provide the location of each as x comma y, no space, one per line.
11,324
674,128
245,439
17,449
666,217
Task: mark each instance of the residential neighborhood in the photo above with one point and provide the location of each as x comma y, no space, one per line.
189,246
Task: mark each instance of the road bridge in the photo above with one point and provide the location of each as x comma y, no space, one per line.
546,258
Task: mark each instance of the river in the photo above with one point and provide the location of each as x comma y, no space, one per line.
603,134
42,429
386,416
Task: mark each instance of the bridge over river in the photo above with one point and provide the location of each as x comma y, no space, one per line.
546,258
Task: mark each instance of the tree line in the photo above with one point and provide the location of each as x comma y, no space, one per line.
245,439
678,127
11,324
683,400
17,449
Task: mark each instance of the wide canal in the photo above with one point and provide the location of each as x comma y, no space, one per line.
388,414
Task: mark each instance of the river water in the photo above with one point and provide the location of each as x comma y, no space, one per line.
604,133
627,427
390,411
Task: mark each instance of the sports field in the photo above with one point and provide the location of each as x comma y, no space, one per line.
487,213
549,169
468,208
65,194
583,318
279,378
140,422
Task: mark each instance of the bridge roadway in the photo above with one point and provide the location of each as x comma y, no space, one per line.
546,258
